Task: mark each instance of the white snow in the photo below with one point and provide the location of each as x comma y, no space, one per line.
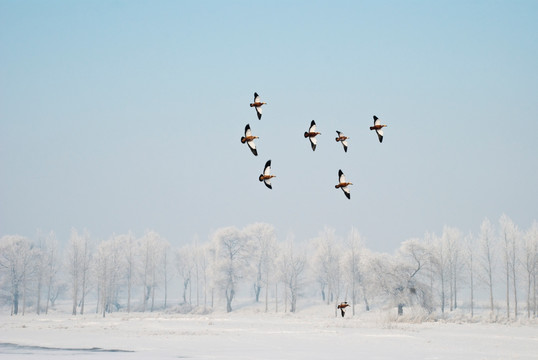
313,333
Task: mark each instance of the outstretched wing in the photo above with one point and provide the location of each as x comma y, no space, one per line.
312,126
340,134
267,183
345,189
341,177
344,143
380,135
377,121
252,147
313,143
267,168
258,112
248,132
256,97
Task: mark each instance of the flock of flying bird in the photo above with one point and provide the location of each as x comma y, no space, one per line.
311,134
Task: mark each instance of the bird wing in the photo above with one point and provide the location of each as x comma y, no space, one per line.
341,177
377,121
312,126
313,143
256,97
345,189
380,134
339,133
252,147
344,143
248,132
267,183
259,112
267,168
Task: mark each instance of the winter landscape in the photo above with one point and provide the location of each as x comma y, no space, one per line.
268,180
245,295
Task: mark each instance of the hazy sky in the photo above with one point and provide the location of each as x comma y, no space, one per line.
127,115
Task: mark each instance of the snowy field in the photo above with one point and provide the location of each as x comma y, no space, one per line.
314,333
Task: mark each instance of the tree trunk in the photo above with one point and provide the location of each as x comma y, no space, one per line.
229,298
267,292
16,301
507,290
129,291
276,297
492,309
529,280
39,286
366,305
293,303
514,285
472,292
257,290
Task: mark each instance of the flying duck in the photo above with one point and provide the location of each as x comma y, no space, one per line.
343,184
249,139
266,176
257,104
343,307
342,139
311,135
378,127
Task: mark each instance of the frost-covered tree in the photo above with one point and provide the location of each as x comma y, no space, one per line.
385,272
78,263
16,257
292,265
531,266
52,267
451,239
203,258
353,268
150,254
130,261
46,268
414,257
185,263
439,259
111,266
469,260
509,234
487,258
231,259
327,264
263,246
165,269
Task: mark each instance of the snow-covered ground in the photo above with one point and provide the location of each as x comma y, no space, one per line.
314,333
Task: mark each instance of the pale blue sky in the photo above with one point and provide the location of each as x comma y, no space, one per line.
127,115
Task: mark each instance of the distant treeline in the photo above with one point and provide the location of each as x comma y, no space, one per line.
127,272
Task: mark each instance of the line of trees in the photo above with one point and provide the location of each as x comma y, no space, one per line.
130,273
